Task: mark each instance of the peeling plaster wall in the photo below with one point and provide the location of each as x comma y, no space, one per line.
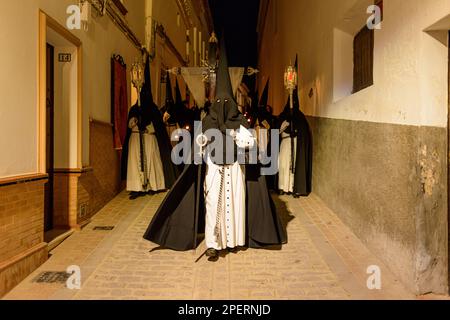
380,155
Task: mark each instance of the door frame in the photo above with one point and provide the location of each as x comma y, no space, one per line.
45,21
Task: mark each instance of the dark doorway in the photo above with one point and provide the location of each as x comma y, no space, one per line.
50,130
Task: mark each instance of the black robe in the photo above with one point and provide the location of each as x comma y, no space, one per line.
146,114
260,113
150,114
179,222
303,161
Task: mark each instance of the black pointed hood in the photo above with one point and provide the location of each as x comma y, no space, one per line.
148,108
146,92
224,89
261,113
178,99
169,93
265,96
224,113
169,106
255,102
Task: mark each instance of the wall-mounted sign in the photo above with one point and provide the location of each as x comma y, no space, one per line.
65,57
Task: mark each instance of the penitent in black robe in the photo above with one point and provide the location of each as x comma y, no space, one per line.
180,220
149,113
300,128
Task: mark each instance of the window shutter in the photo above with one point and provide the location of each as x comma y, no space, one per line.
363,59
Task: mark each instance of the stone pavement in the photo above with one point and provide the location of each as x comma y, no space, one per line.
323,260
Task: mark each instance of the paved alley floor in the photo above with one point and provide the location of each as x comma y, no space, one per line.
323,260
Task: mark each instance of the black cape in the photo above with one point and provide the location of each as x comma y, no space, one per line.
149,113
180,220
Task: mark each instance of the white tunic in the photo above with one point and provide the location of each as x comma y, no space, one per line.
225,196
286,177
225,206
262,133
155,172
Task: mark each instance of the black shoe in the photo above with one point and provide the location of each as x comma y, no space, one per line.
212,254
233,250
134,195
281,193
297,195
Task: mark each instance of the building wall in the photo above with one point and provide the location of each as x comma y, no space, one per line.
380,154
22,247
18,80
166,14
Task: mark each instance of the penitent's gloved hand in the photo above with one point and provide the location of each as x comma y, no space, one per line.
244,139
133,123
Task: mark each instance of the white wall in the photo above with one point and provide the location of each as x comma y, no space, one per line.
410,65
65,110
343,65
18,79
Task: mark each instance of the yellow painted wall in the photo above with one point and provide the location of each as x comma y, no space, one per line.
166,12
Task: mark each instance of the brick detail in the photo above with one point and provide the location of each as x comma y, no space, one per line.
21,232
21,218
65,200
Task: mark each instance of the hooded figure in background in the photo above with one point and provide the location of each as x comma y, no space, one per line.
263,123
227,201
262,120
295,162
262,113
146,158
171,115
182,115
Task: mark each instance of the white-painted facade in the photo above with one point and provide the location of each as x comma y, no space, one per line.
410,62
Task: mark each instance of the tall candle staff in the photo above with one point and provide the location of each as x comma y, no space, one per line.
290,83
137,79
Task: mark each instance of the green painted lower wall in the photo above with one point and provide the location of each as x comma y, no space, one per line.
388,183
